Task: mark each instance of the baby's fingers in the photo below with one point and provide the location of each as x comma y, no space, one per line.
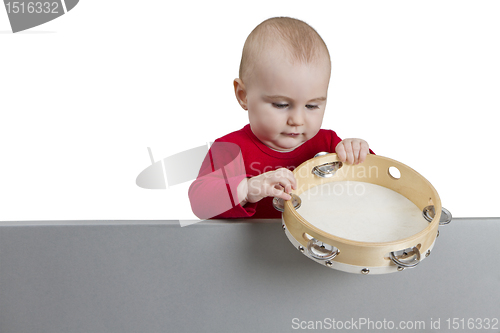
341,153
352,151
279,193
349,154
365,150
285,178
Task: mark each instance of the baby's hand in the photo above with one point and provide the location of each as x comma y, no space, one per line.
268,184
352,151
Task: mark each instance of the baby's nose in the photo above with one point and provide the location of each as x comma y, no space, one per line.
296,118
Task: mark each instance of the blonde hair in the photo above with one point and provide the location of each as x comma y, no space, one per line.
301,41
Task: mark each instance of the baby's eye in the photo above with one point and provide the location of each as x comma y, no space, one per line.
312,107
280,105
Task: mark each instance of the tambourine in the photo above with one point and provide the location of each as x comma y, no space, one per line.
377,217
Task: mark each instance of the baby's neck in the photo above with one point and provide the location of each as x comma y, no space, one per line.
284,151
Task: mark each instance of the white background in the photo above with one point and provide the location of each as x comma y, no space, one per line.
83,96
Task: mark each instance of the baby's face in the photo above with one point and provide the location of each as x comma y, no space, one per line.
286,102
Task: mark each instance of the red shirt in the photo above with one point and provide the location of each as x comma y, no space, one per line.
238,155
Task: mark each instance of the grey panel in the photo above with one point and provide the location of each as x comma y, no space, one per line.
227,277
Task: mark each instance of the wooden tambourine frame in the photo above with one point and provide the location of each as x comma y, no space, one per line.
365,257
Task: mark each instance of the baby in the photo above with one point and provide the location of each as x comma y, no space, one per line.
283,83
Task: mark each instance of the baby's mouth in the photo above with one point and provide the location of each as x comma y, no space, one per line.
292,134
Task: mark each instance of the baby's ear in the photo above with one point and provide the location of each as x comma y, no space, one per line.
240,92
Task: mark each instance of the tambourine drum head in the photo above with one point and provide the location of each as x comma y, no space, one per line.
361,212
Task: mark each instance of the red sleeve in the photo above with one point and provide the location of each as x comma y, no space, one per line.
335,141
214,192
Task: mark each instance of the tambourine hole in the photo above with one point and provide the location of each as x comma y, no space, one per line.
326,170
394,172
322,251
408,251
428,213
306,236
409,257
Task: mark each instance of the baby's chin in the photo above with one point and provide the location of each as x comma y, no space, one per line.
285,146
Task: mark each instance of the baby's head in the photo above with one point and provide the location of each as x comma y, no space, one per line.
284,75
